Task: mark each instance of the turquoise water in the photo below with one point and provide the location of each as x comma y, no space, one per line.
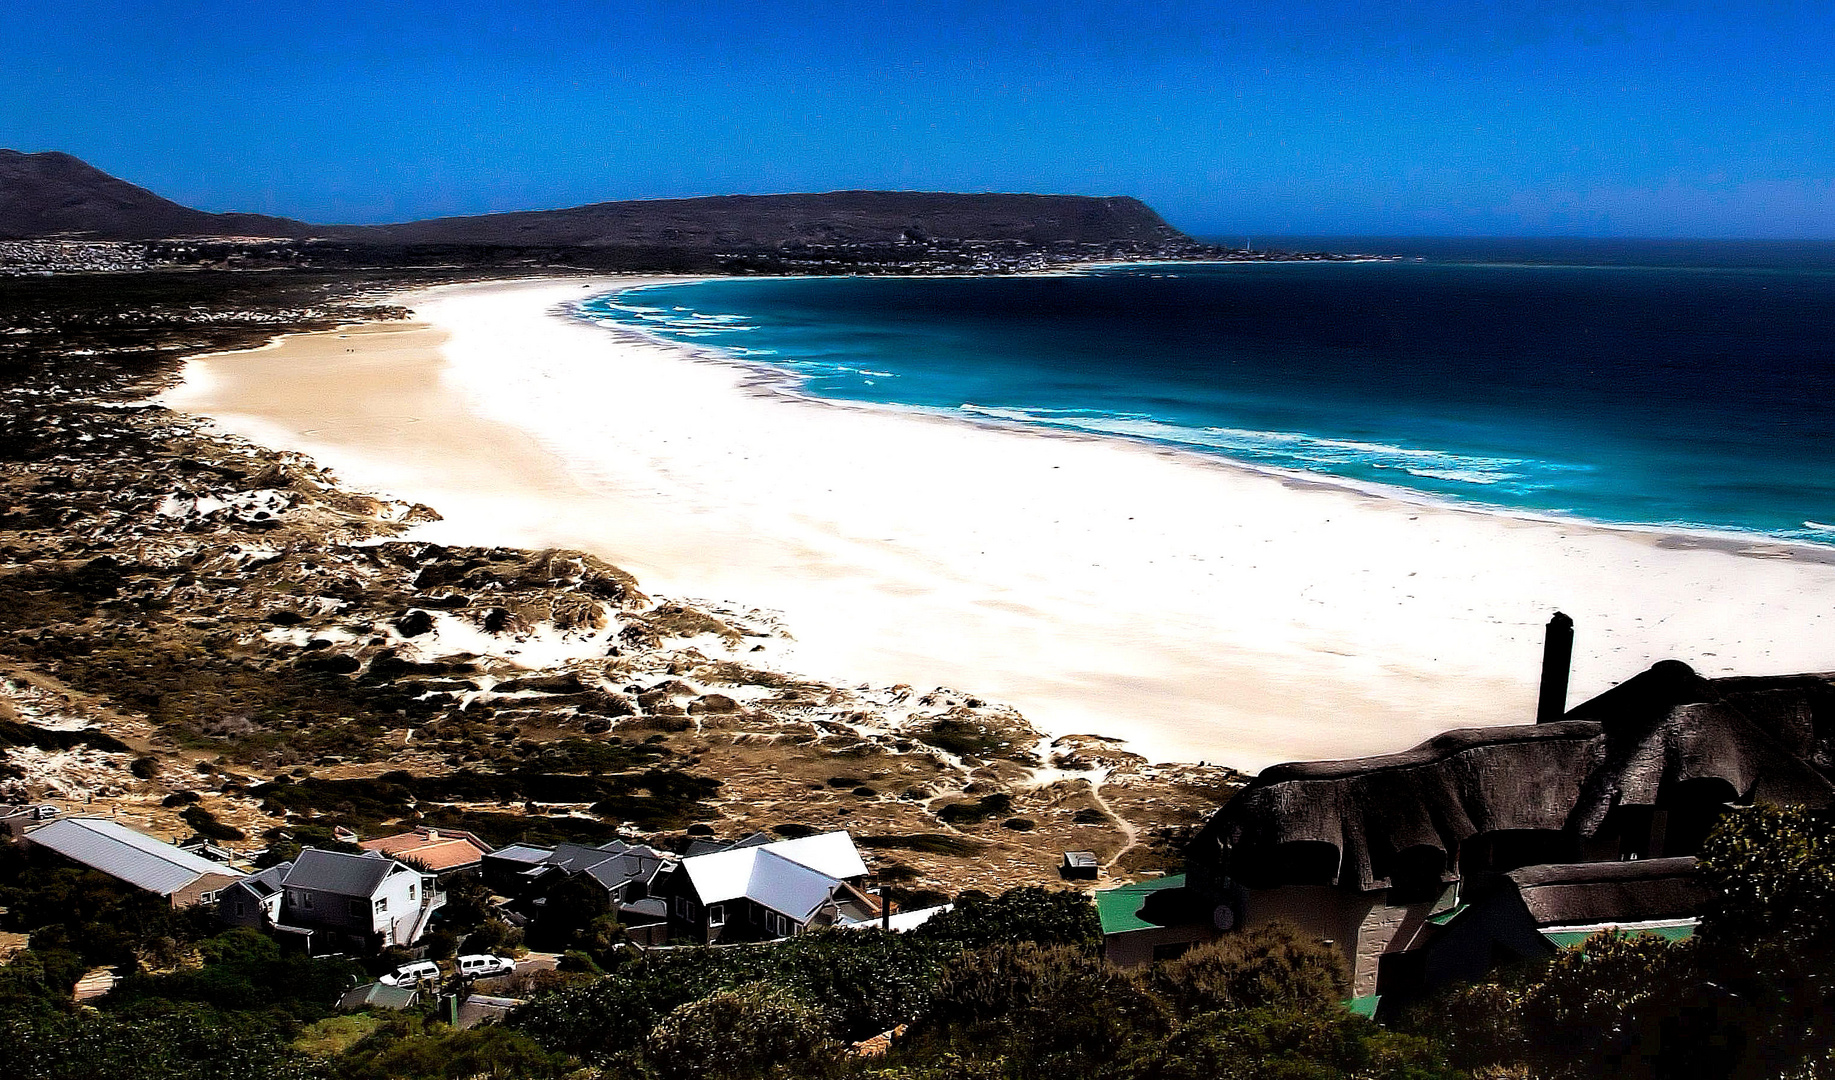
1676,385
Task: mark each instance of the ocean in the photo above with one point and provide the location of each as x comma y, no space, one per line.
1682,385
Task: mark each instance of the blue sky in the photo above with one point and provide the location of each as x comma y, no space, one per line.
1603,119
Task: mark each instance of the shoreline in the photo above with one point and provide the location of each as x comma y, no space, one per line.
772,382
1235,622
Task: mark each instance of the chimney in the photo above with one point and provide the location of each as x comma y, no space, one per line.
1557,658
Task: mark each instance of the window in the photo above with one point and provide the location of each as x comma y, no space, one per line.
778,924
411,888
305,900
356,907
207,898
240,908
382,905
716,914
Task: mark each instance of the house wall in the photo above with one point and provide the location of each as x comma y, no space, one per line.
1133,948
193,894
1474,942
403,893
320,909
254,912
1362,926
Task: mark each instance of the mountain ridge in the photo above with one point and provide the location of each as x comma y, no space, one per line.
54,194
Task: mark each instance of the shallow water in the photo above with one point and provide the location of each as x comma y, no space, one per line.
1682,385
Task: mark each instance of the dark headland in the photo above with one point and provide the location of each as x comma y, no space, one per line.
55,196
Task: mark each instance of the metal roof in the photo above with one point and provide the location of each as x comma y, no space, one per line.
267,882
900,920
121,852
1565,937
831,853
1119,909
794,877
791,888
380,996
522,853
337,872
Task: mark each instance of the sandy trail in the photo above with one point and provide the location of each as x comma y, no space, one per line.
1198,610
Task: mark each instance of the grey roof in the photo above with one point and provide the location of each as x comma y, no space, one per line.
770,874
121,852
379,996
522,853
574,858
267,882
1080,858
653,907
622,868
337,872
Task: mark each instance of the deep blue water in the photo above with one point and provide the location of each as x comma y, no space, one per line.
1677,384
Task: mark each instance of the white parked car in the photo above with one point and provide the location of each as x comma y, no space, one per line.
412,974
482,966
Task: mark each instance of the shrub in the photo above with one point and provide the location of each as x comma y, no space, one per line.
1319,1044
755,1030
1271,966
1028,913
1042,1004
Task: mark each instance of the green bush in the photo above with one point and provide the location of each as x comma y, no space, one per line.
1318,1044
755,1030
1048,1007
1029,913
1269,967
490,1052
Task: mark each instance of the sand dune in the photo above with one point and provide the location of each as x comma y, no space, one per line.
1195,609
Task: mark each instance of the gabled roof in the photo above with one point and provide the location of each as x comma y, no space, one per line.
338,872
379,996
792,877
831,853
630,866
438,850
523,853
267,882
123,853
574,858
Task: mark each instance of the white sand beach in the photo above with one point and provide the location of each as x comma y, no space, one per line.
1197,610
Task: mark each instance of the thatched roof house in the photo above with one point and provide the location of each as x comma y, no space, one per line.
1367,852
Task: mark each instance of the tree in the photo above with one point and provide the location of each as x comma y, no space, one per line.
1768,934
1602,1002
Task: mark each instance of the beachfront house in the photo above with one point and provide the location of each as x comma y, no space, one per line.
442,852
762,891
338,902
184,878
1156,919
1537,910
625,876
1468,837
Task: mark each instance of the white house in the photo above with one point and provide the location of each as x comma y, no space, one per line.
766,891
338,901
